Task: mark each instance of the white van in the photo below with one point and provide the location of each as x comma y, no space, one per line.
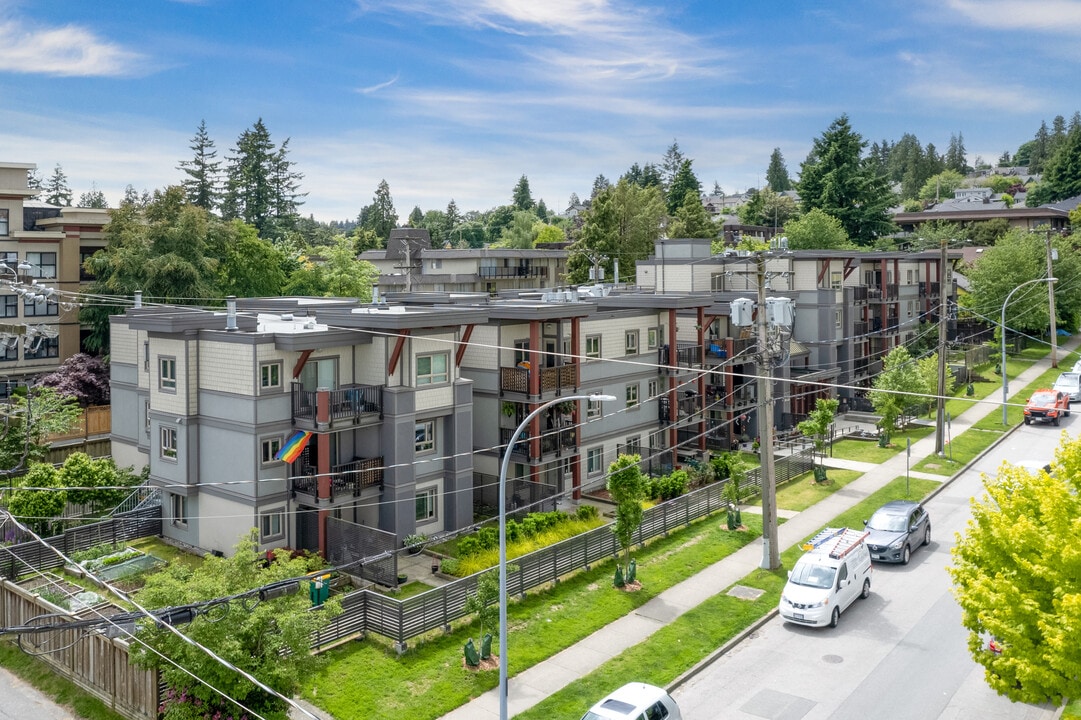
834,572
635,701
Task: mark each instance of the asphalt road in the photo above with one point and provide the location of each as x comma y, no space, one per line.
899,654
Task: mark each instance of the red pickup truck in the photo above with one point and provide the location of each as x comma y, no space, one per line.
1047,406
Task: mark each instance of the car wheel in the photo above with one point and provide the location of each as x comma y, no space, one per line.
927,535
1054,421
835,617
866,590
906,555
1028,421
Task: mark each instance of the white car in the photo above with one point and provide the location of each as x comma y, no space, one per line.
834,572
635,701
1070,383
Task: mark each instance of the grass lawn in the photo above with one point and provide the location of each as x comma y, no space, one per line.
680,645
53,685
540,626
1014,413
803,492
960,451
869,451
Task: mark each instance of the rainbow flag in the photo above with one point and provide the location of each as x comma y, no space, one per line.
295,445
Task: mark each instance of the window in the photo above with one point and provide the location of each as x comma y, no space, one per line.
595,461
652,338
651,388
268,448
44,306
632,342
179,507
837,319
657,711
521,352
146,355
425,437
656,441
437,264
42,347
168,442
270,376
593,409
908,276
432,369
634,445
593,346
146,417
426,504
716,282
9,306
271,525
42,264
632,395
167,373
835,280
9,352
3,221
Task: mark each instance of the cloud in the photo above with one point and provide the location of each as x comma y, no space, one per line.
1049,16
956,91
66,51
375,88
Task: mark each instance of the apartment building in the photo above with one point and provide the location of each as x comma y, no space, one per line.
208,399
41,247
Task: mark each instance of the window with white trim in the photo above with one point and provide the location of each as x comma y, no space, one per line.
425,437
3,221
631,342
835,279
837,319
168,442
272,524
651,387
179,508
632,395
270,376
432,369
593,409
652,338
427,504
595,461
593,346
146,416
268,448
167,373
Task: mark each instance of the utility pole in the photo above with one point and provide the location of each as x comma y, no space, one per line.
1051,304
940,418
771,558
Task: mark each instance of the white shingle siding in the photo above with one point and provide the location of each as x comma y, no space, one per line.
613,332
123,348
169,401
482,352
372,362
227,367
433,398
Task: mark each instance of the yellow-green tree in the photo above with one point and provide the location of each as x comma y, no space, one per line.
627,486
1017,578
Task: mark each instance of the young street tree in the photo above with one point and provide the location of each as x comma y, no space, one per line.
627,486
835,179
816,427
203,181
896,389
1017,578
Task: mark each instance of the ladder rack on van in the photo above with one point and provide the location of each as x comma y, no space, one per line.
844,540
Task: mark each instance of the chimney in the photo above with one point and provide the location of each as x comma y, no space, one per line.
230,313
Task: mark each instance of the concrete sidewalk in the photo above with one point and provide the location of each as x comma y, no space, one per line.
538,682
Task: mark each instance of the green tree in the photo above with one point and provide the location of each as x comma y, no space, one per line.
550,234
989,231
816,231
346,276
692,220
941,185
484,603
249,265
416,217
683,182
261,187
600,184
622,222
956,157
203,181
39,498
767,208
268,639
1062,176
896,389
56,190
93,198
671,164
628,488
817,427
519,234
27,418
1017,577
644,176
380,217
836,180
777,172
95,482
523,198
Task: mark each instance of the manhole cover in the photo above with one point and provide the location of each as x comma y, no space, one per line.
745,593
834,659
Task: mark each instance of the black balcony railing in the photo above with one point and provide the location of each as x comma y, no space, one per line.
512,272
860,328
552,442
349,402
859,293
686,355
557,380
347,479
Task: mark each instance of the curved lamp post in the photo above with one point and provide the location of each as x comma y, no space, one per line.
1002,330
503,538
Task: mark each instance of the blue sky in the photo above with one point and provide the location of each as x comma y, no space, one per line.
459,98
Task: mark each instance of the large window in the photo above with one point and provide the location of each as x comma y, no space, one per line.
167,373
9,306
271,524
38,308
42,264
595,461
593,346
168,442
42,347
179,506
9,352
270,376
431,369
268,448
427,500
425,437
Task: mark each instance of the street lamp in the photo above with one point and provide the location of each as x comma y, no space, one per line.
503,538
1002,331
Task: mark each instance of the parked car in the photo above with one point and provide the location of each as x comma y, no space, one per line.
895,529
1047,406
1077,367
1069,383
835,570
635,701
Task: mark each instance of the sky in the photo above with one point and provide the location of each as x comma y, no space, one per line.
457,99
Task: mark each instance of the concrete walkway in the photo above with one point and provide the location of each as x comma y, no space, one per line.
538,682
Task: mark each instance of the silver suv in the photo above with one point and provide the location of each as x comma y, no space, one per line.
1070,383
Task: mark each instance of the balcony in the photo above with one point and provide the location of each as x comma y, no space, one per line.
877,294
860,328
349,406
857,293
687,355
496,273
347,480
556,442
553,380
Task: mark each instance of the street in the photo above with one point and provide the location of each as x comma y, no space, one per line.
899,654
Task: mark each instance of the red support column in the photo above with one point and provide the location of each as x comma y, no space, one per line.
536,366
673,393
322,465
576,463
702,380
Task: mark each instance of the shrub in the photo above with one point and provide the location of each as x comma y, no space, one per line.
468,545
514,531
586,512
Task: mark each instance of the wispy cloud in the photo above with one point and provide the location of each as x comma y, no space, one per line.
380,86
974,94
66,51
1050,16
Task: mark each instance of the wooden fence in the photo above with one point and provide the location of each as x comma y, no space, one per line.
98,664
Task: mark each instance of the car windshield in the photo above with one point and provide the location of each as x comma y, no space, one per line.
809,575
887,523
1042,399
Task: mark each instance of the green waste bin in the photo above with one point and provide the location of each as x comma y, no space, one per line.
319,590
